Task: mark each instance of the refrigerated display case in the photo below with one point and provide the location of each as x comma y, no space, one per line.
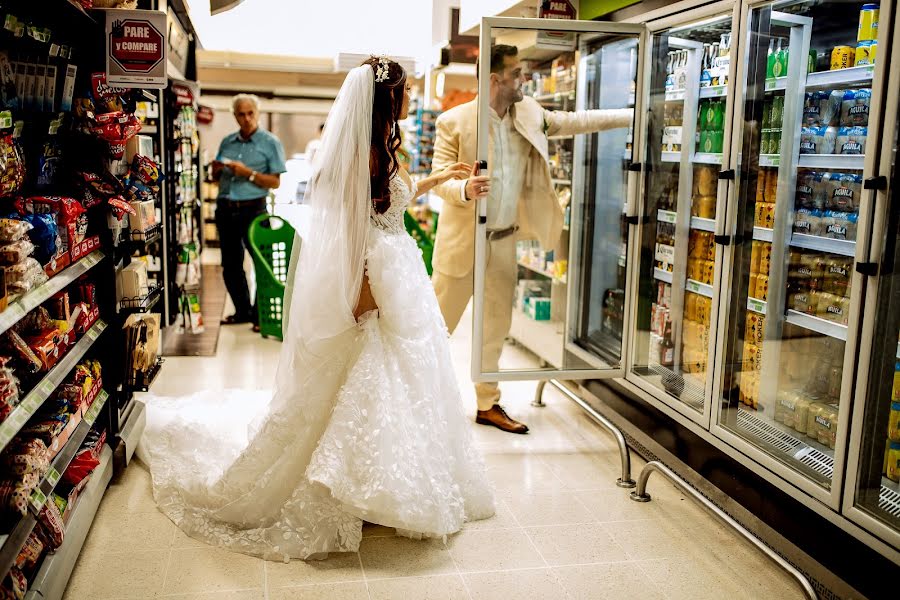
689,111
745,237
800,210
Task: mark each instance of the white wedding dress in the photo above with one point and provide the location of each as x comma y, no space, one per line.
370,428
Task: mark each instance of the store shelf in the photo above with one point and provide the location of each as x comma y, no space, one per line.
141,304
757,306
784,441
776,83
685,388
832,161
660,275
708,158
67,454
547,274
146,237
839,77
11,544
149,130
561,181
714,91
671,157
699,288
834,330
702,224
45,388
763,234
146,381
769,160
27,302
674,95
53,576
542,338
814,242
666,216
889,498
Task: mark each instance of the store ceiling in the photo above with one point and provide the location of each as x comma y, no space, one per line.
318,30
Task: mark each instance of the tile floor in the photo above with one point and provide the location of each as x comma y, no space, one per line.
562,530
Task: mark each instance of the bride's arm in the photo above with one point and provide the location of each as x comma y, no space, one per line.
454,171
366,300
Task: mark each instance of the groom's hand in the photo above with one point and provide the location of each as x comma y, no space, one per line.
478,186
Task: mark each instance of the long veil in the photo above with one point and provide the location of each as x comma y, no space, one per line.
226,466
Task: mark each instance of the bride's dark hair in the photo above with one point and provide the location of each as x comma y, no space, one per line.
387,103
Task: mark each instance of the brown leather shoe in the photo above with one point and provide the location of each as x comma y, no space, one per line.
497,417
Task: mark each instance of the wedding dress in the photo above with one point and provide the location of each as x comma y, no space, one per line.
366,420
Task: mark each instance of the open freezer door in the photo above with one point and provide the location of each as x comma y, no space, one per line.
555,133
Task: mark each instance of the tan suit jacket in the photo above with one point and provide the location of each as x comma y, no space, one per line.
540,215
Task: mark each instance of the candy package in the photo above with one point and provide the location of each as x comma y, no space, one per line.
30,553
24,276
70,217
12,166
52,526
15,586
44,234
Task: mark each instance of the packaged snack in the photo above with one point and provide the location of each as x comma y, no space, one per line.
52,525
12,230
44,234
30,553
12,166
15,586
25,275
147,172
851,140
70,217
838,225
15,252
855,108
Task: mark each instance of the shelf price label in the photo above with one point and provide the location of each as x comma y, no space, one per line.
693,286
667,216
38,499
756,305
53,476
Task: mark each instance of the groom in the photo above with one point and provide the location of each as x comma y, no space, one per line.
522,205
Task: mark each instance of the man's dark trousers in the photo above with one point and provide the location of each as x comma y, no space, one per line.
233,219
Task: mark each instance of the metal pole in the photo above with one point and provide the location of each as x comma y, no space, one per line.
539,393
640,495
625,481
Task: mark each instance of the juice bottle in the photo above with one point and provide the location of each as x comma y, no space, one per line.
770,60
778,61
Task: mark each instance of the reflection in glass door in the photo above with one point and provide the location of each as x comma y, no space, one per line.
787,367
685,139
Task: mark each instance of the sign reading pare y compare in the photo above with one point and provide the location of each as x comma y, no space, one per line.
136,48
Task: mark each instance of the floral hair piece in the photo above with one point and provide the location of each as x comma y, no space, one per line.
382,71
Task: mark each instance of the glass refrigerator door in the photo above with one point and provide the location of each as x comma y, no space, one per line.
794,294
873,489
565,306
689,111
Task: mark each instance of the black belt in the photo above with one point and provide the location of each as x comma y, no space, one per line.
494,235
238,203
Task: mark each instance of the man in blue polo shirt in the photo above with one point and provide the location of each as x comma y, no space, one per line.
248,165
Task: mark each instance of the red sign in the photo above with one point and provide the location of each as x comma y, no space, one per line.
136,45
184,96
205,115
557,9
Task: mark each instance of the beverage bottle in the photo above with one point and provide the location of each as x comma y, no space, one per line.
767,115
669,79
705,71
770,60
720,115
682,71
778,69
715,71
667,348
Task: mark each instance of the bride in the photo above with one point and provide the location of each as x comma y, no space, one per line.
366,420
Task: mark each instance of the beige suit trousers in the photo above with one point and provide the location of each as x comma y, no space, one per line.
453,294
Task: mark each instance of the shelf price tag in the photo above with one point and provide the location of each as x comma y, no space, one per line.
93,333
47,387
692,286
756,305
667,216
38,499
53,476
92,412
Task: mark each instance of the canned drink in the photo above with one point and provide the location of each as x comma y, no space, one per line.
868,23
842,57
765,143
865,53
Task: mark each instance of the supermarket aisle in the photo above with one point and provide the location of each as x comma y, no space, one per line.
563,530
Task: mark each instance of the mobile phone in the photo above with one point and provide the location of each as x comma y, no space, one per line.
482,164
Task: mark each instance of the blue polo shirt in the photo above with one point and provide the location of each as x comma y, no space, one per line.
262,153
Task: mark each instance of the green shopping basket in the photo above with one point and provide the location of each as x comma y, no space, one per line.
271,239
424,241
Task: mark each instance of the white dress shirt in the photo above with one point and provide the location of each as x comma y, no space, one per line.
511,151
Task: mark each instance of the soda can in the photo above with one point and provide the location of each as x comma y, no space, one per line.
764,144
842,57
865,53
868,23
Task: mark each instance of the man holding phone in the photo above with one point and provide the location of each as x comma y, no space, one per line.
249,164
521,205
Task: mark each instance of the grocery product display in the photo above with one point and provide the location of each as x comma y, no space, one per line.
688,103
